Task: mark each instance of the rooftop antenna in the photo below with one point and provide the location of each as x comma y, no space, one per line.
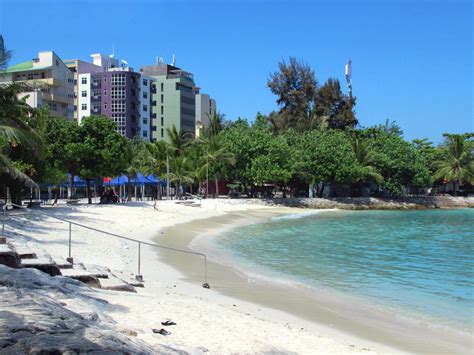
173,61
157,60
348,78
113,51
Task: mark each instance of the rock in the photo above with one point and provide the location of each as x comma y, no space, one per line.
34,321
129,332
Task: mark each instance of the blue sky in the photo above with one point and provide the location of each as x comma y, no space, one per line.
412,60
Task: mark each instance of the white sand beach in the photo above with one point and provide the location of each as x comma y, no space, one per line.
208,321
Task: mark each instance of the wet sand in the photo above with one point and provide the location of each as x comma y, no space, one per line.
330,313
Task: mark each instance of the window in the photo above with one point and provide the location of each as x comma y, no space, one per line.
105,79
118,79
133,92
96,93
162,98
145,108
162,87
84,93
145,133
145,82
145,95
162,121
84,107
57,62
105,92
75,107
118,92
105,106
119,119
162,110
30,76
153,128
145,120
162,133
84,80
96,107
118,106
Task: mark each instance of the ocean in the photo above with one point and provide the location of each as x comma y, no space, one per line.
420,263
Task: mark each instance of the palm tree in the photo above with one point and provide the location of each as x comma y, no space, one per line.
364,157
197,163
217,156
179,140
216,124
155,161
13,127
132,156
180,173
457,163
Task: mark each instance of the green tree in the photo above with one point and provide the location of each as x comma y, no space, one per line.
180,173
399,162
365,160
179,140
457,160
218,157
16,132
155,161
295,86
323,157
101,151
332,108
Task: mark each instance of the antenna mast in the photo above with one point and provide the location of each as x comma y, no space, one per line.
348,77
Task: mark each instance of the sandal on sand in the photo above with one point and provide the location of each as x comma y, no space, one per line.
161,331
168,322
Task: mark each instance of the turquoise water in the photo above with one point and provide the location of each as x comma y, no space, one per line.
421,262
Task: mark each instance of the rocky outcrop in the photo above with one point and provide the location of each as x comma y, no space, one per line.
372,203
35,319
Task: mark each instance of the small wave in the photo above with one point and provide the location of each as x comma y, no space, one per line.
303,214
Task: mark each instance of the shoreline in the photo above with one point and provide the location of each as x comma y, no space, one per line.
380,326
236,325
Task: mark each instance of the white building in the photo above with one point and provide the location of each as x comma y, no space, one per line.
50,80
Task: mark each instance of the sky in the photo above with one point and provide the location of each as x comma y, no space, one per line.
412,61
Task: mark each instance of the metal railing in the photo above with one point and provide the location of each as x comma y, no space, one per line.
139,242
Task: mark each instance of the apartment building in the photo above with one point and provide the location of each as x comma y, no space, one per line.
205,108
119,93
77,66
174,99
50,83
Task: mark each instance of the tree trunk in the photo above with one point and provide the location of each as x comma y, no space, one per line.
158,191
56,190
129,189
217,186
88,189
71,187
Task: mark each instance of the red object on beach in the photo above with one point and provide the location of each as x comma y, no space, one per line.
106,179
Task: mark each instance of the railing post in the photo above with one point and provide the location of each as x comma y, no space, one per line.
3,219
3,240
70,258
139,276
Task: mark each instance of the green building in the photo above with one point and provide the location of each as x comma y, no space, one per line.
173,99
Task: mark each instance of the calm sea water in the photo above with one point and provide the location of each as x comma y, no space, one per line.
420,261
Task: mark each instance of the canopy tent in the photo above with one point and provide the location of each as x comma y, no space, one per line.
140,179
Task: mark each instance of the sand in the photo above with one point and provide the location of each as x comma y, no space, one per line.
215,320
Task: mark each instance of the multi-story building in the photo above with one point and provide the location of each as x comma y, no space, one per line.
119,93
50,83
77,67
205,108
174,99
